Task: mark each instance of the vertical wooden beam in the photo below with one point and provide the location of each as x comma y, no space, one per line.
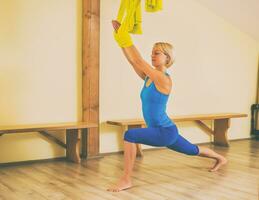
257,97
257,89
90,87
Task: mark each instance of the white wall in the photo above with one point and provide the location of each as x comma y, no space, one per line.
215,70
40,67
40,70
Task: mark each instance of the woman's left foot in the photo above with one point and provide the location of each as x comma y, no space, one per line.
220,161
123,184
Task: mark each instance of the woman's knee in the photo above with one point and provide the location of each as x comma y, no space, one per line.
190,150
193,150
129,136
184,146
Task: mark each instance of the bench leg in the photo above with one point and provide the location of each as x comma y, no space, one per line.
139,150
72,140
84,133
220,132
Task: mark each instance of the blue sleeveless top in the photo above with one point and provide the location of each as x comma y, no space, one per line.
154,106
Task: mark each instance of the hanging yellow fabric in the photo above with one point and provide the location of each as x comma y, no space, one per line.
130,18
153,5
130,11
134,23
123,39
128,22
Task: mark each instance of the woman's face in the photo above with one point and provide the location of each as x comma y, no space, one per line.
158,57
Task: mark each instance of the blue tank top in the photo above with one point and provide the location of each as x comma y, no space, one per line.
154,106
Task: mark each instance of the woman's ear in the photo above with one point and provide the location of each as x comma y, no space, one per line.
167,59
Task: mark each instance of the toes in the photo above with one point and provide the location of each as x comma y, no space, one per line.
113,190
110,189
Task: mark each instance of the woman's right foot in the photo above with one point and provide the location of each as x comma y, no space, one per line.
123,184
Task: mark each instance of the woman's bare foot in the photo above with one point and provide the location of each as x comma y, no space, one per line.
123,184
219,162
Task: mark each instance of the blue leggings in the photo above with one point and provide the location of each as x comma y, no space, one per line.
161,137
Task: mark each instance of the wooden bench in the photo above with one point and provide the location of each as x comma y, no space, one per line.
73,136
221,125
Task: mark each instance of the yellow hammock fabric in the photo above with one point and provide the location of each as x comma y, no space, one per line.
153,5
130,18
134,23
130,12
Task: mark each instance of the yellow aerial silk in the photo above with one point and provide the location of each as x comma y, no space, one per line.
130,17
153,5
130,12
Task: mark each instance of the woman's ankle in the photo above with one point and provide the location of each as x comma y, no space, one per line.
126,177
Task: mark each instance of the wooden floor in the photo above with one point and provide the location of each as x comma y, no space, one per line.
161,174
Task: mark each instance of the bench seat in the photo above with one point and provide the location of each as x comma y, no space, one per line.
73,136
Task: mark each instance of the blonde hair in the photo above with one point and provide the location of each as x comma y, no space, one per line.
167,49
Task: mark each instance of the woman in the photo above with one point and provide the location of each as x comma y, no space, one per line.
161,130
